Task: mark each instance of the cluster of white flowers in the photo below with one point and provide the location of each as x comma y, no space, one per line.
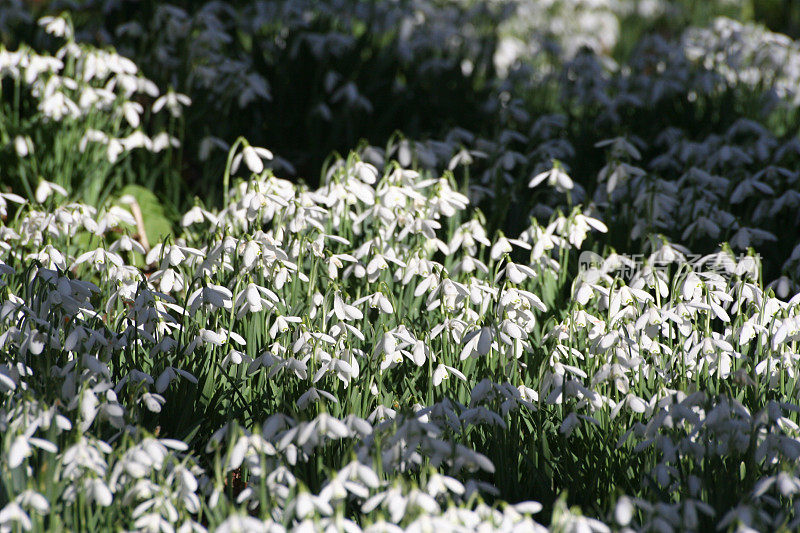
369,355
748,54
313,268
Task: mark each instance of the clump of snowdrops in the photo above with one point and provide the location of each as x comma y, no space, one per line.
366,356
372,355
77,112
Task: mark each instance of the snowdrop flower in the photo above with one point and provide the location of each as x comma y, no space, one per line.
100,259
161,141
577,227
255,299
173,102
236,523
345,311
281,324
46,188
503,246
515,273
6,197
365,172
196,215
377,300
556,177
12,515
21,448
443,372
477,342
23,146
253,157
58,26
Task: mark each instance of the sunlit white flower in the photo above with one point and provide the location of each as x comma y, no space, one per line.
45,189
173,102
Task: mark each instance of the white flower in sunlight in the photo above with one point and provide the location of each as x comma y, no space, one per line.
253,157
313,395
254,299
477,342
365,172
345,311
46,189
503,246
23,145
6,197
196,215
515,273
127,244
173,102
57,26
99,258
377,300
236,523
132,111
163,140
12,516
443,372
623,511
556,177
576,228
57,105
281,324
33,500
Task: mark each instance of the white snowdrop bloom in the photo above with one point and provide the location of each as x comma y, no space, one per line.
577,228
137,139
168,280
281,324
515,273
443,372
153,402
161,141
503,246
197,215
98,492
99,258
132,112
9,197
31,499
313,395
469,235
57,26
127,244
45,189
692,288
12,515
335,262
92,135
113,217
254,299
214,296
23,145
22,448
365,172
345,311
556,177
174,102
253,158
57,106
114,149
